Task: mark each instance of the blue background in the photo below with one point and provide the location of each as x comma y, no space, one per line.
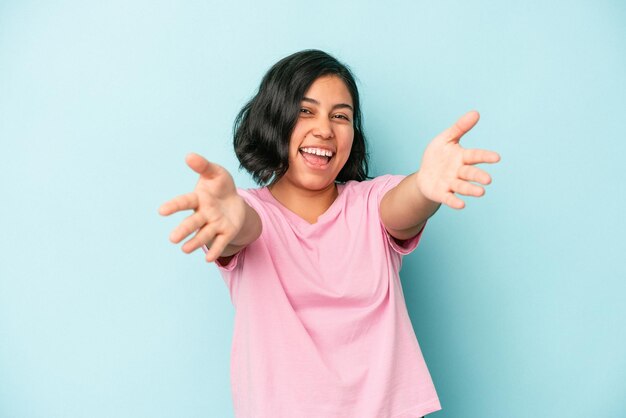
517,300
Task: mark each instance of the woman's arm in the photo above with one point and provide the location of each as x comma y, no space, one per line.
250,231
222,220
446,169
404,209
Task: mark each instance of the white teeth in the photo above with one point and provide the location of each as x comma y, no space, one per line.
318,151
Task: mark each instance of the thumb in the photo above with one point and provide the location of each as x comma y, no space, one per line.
202,166
461,126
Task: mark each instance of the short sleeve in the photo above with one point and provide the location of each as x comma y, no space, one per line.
404,247
232,262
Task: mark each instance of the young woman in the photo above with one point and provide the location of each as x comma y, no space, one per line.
312,257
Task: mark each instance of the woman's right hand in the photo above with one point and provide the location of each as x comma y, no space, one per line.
219,211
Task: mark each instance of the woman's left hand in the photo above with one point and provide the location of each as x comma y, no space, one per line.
447,168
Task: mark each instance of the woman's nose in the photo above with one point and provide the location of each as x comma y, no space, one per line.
323,128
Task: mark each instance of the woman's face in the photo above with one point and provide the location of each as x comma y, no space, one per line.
322,138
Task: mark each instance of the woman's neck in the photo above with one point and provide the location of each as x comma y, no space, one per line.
307,204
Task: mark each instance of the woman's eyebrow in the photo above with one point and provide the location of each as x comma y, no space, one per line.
337,106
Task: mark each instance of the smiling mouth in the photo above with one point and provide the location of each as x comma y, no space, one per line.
317,157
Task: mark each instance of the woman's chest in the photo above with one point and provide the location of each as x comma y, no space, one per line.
333,264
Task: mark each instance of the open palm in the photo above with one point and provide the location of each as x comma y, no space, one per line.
219,212
447,168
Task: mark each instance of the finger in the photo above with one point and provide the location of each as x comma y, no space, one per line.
182,202
217,248
189,225
202,166
466,188
461,126
478,156
471,173
454,202
202,237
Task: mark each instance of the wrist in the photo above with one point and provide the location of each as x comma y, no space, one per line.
420,191
250,228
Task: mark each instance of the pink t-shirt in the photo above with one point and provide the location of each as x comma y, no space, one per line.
321,326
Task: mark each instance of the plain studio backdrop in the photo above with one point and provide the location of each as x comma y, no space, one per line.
517,301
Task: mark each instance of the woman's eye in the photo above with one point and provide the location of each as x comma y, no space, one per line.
304,110
342,117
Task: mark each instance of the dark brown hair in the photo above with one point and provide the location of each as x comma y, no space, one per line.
263,127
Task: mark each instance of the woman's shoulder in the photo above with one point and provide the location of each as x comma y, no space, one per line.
257,198
381,181
256,193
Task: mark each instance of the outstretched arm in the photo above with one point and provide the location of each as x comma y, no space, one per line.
446,169
222,220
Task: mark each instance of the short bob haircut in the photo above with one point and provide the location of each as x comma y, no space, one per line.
263,128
